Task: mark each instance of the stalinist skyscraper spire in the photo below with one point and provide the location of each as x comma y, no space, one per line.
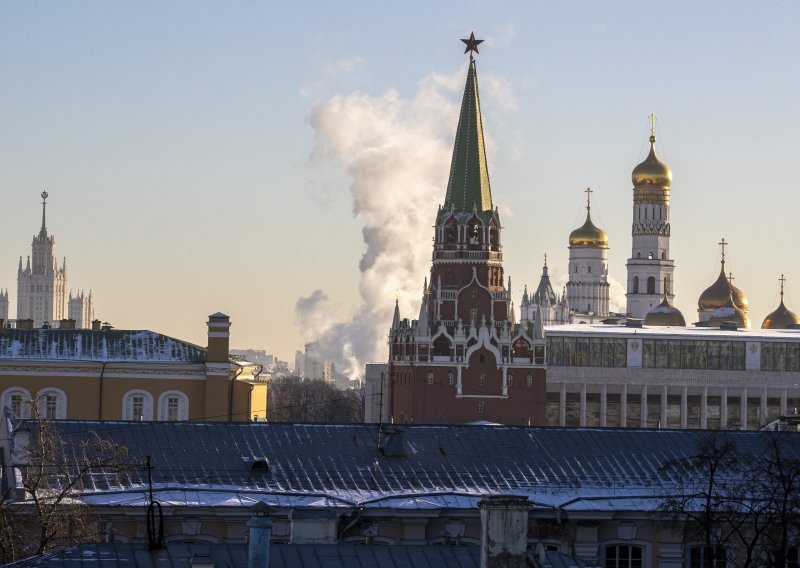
650,267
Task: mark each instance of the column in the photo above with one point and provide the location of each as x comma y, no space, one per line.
743,409
603,402
763,408
582,411
623,406
505,380
643,407
562,405
784,396
723,409
664,420
459,390
684,407
704,409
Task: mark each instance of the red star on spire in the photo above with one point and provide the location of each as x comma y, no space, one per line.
472,43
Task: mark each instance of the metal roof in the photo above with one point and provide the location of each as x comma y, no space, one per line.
444,466
113,345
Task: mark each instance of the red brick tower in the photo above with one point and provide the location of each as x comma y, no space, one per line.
465,359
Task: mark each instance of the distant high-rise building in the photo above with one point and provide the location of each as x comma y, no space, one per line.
4,304
299,363
42,284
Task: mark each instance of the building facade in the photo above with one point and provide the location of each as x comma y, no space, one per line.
656,377
110,374
465,358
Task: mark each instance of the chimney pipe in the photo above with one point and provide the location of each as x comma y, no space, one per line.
260,530
67,324
504,531
96,325
25,324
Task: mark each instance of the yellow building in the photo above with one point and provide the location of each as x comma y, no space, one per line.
109,374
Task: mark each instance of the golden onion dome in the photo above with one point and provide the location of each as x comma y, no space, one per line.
652,172
781,318
588,235
716,296
665,314
730,312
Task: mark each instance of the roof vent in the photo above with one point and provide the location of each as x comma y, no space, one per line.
393,444
633,322
728,326
202,560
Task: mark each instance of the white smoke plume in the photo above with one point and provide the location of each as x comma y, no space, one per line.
397,152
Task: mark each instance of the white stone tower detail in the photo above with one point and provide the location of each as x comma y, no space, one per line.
588,287
81,309
650,267
41,285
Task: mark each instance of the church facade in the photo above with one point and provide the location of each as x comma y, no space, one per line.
465,358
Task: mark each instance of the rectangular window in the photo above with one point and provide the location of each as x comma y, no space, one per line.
592,409
648,353
16,405
172,408
510,380
450,379
50,403
624,556
552,409
530,380
482,380
620,353
481,407
654,411
138,408
430,378
792,356
662,353
634,410
612,410
595,352
573,409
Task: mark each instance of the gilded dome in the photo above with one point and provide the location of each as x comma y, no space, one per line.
665,314
730,312
781,318
716,295
652,172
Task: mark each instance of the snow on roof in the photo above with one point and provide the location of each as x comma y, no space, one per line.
668,332
205,464
113,345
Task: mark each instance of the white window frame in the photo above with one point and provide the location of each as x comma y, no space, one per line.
183,405
61,402
127,404
26,398
481,407
619,542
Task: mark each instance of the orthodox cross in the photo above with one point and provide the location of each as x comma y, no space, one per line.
472,44
44,196
782,280
722,243
652,118
588,192
730,277
545,259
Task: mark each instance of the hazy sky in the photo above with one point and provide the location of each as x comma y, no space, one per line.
226,156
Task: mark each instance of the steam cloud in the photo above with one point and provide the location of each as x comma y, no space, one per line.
397,152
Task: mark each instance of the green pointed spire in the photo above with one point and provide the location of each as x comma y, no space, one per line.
468,186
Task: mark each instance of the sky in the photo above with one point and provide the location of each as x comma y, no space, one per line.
283,163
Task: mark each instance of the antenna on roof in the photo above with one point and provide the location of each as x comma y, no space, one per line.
155,534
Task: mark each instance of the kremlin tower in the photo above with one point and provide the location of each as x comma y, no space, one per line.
465,359
650,267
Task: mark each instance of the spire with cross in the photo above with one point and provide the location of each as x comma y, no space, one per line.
782,280
723,244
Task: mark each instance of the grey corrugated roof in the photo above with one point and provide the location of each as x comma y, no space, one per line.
113,345
341,464
281,556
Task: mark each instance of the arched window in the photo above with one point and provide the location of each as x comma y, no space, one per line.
650,255
663,255
441,346
173,406
510,380
651,285
481,407
18,401
624,556
635,286
137,405
52,404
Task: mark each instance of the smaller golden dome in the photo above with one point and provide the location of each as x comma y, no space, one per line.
665,314
652,172
730,312
588,235
782,317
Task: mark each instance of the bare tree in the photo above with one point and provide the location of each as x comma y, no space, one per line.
780,480
43,509
292,399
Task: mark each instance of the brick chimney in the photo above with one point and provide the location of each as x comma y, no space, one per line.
219,391
260,531
67,324
96,325
25,324
504,531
